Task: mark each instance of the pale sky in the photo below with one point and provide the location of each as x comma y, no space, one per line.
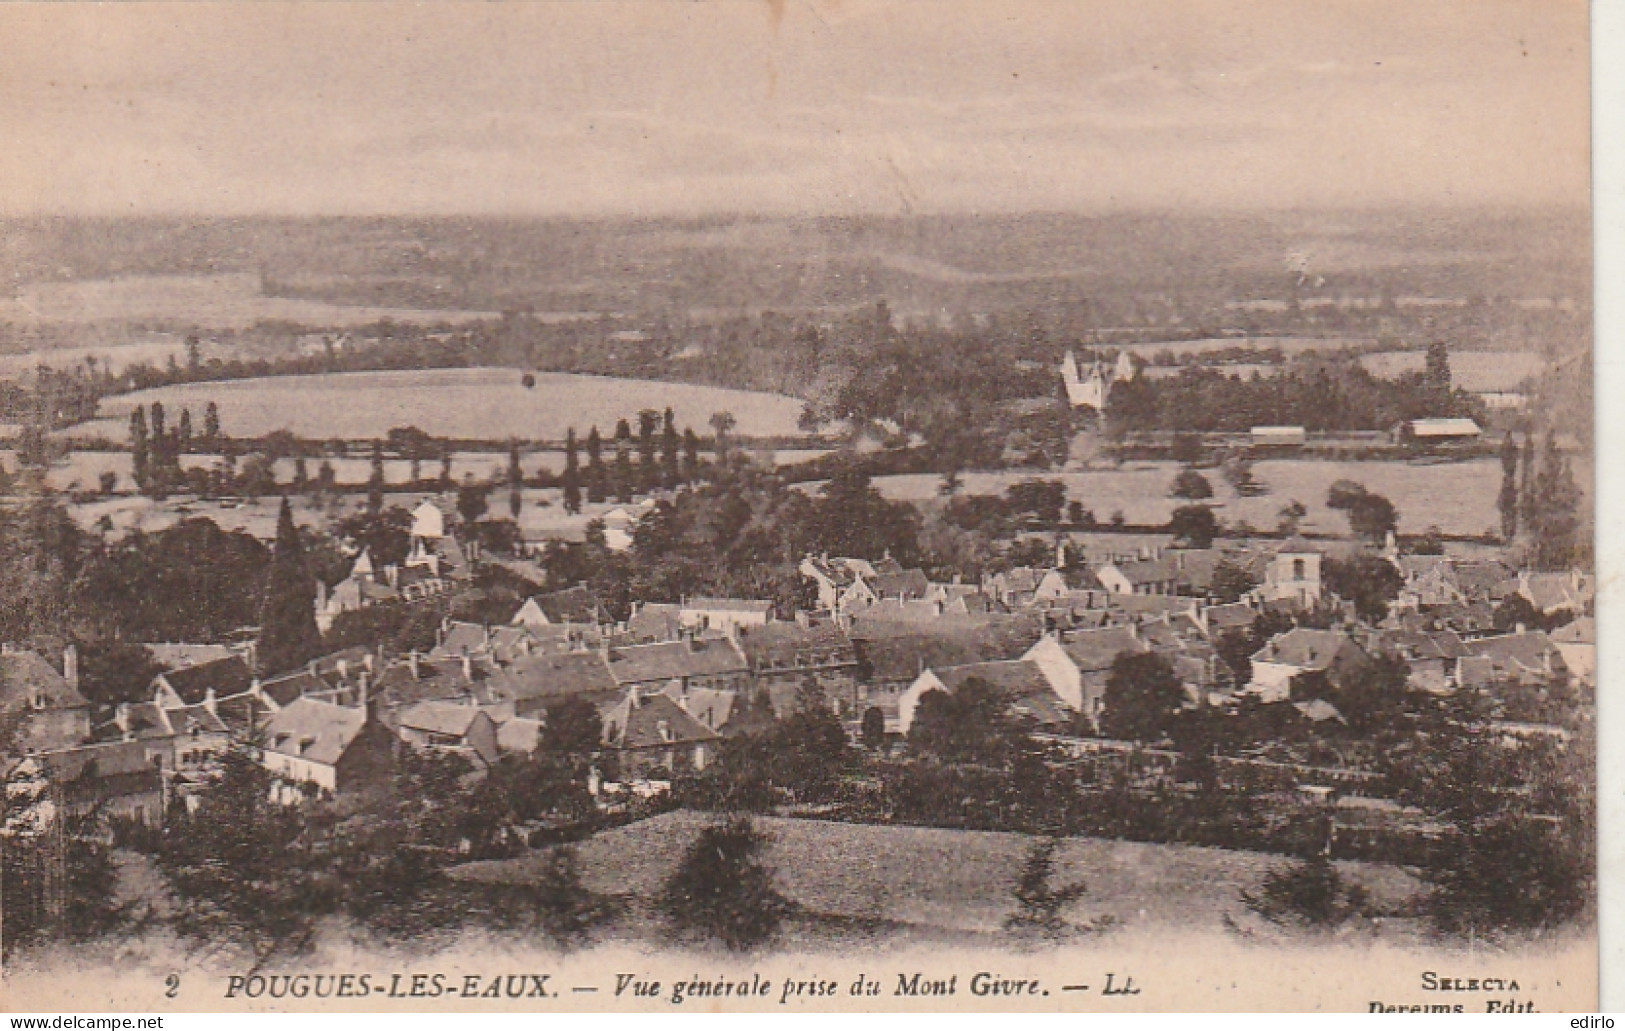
822,107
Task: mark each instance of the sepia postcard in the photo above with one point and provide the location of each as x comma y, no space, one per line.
854,505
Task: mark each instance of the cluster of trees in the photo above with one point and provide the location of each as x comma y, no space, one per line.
1540,501
666,459
156,448
1331,393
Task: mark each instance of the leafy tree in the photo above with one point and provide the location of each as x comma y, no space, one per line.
1374,696
1191,485
873,730
1289,517
1366,580
972,724
113,671
1194,524
1231,582
1040,499
1507,502
723,890
240,867
722,424
1342,494
1437,373
1373,517
288,634
1040,905
572,727
472,500
1142,695
386,535
1187,448
1236,651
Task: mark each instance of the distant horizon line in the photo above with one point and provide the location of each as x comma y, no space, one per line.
1170,211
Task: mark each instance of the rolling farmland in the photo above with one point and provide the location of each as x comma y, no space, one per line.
461,404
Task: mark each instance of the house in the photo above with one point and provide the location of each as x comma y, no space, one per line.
429,522
1298,652
1577,643
449,726
1430,582
651,736
530,685
1077,665
1023,586
1292,575
360,588
900,585
1430,656
1551,593
1216,620
891,655
117,779
573,606
1278,436
652,621
335,748
781,657
1093,388
843,584
190,685
43,705
520,735
1030,693
724,614
1155,576
692,662
1523,657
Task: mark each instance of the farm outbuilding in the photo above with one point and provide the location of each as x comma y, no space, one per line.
1279,436
1437,430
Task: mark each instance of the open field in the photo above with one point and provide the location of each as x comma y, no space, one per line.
1477,371
231,300
948,879
1457,497
463,404
153,349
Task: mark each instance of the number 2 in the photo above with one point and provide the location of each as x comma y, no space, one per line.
172,984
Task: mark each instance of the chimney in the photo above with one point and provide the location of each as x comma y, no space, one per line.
1521,628
209,700
121,717
468,668
412,663
367,663
70,666
342,667
365,681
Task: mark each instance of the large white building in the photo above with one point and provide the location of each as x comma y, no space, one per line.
1093,388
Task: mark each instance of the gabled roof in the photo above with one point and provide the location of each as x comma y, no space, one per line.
578,604
1148,570
464,638
438,717
1581,631
899,651
288,686
670,660
1530,651
519,735
907,583
26,676
112,759
1308,649
555,675
142,721
1094,651
1549,592
228,676
784,642
316,731
1016,678
711,707
655,621
1318,711
651,720
174,656
1232,616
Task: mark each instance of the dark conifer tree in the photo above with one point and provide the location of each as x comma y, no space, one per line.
288,633
1508,500
571,481
597,487
669,444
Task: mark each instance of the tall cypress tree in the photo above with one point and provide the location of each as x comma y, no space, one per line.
1508,501
691,456
140,453
669,444
1557,530
597,489
571,481
624,484
648,450
375,481
288,634
1528,502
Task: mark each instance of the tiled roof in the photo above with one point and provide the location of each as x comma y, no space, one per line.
228,676
650,663
1307,649
899,651
26,675
316,731
572,605
1095,650
651,720
438,717
554,675
727,605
